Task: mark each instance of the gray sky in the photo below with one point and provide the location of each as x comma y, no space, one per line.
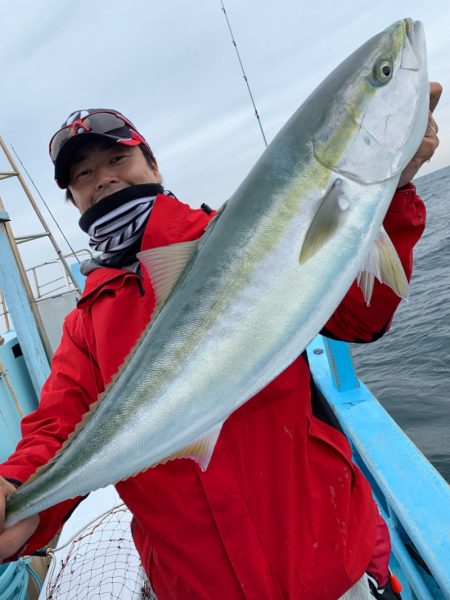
171,68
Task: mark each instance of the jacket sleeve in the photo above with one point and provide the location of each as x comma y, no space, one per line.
353,321
73,385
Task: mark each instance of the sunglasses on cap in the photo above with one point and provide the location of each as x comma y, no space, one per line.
102,122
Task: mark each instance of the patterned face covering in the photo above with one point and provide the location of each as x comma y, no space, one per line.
115,224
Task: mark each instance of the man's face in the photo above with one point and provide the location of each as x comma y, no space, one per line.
99,170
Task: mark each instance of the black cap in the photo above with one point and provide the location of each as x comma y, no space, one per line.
126,134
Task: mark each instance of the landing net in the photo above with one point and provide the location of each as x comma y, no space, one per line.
100,562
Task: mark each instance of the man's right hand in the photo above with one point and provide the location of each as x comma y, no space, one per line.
15,537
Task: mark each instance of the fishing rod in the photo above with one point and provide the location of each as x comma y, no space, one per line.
244,74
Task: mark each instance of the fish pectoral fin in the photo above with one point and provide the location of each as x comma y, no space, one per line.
201,450
164,266
328,218
383,263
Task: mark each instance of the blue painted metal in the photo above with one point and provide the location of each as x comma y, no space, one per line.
9,423
15,367
22,315
413,496
14,364
341,365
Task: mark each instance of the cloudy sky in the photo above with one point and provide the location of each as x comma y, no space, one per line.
171,68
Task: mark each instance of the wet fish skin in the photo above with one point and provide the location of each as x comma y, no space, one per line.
263,280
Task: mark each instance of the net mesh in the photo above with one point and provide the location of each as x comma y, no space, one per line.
100,562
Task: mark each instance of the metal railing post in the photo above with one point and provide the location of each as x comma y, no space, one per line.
16,294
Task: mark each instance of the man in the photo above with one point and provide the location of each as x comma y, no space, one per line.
261,522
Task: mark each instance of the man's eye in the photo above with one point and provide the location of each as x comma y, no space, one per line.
82,173
117,158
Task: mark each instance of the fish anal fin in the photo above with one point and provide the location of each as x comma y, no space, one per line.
164,266
201,450
366,282
383,263
327,220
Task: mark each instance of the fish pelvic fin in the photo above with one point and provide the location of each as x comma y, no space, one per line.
383,263
328,219
201,450
164,266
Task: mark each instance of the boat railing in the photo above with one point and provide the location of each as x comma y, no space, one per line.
47,279
59,282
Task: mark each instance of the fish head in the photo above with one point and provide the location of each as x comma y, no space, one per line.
378,103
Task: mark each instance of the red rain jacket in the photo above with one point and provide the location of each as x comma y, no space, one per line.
281,512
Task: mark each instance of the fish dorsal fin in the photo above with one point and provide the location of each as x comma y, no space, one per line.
164,266
216,217
328,218
201,450
383,263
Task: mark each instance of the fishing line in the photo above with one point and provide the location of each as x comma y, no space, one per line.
244,74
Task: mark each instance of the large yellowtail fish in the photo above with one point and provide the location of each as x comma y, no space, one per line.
236,308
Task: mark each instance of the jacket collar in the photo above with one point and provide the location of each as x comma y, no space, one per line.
102,279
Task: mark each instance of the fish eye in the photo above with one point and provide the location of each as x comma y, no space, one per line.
382,71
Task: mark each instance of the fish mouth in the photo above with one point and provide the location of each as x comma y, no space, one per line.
413,52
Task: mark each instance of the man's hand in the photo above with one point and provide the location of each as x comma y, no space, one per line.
13,538
429,143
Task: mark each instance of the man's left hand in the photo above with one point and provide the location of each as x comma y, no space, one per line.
430,141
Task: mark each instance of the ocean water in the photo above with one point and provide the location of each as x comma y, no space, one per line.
408,370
